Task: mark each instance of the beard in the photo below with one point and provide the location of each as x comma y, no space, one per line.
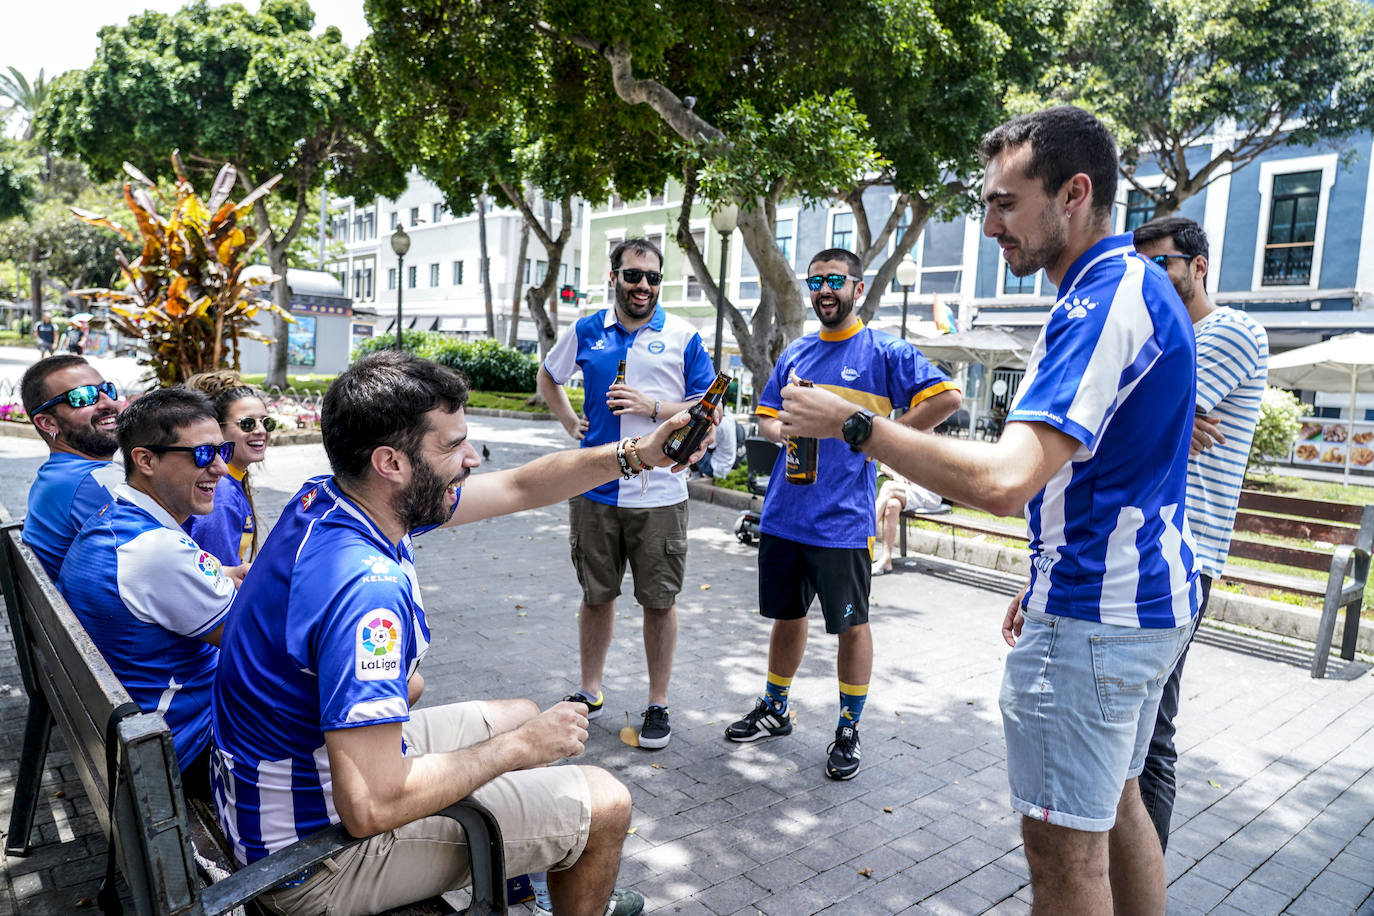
87,439
1027,259
628,306
843,308
421,503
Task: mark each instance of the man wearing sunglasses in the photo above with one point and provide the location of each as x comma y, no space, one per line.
816,539
1232,369
151,599
75,411
640,521
1095,453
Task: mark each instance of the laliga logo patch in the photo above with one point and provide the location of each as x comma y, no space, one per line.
209,566
308,499
849,374
656,346
377,649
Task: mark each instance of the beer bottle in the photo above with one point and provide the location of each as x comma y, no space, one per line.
684,441
620,374
801,451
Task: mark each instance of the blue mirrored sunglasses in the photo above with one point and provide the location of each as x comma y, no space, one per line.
203,455
834,281
1163,259
80,396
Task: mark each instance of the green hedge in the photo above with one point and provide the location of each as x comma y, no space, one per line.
487,365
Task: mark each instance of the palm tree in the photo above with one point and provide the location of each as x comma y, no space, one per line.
24,97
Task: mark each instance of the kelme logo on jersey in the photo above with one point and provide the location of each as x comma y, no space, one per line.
849,374
598,345
377,653
208,564
381,568
308,499
656,346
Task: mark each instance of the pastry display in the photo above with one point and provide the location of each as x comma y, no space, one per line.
1333,455
1361,456
1334,432
1363,438
1306,452
1310,431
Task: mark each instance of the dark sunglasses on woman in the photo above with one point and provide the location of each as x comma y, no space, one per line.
248,424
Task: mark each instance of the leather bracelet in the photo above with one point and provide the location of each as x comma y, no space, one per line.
632,452
621,452
653,417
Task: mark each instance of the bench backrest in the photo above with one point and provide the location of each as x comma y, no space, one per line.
1295,517
63,669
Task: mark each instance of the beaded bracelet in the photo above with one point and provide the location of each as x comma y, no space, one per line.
632,451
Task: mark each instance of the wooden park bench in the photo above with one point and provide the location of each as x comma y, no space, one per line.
128,769
1348,529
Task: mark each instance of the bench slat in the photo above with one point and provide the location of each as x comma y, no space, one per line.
1305,529
1325,509
1301,557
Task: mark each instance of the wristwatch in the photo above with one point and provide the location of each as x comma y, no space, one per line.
858,426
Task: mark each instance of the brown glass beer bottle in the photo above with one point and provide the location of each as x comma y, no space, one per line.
620,374
684,441
801,451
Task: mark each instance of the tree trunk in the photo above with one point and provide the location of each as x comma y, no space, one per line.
281,295
35,285
536,296
519,281
485,273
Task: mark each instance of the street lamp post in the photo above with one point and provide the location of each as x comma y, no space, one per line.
907,275
723,221
400,243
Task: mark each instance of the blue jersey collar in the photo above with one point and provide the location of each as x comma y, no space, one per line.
656,321
1111,246
126,493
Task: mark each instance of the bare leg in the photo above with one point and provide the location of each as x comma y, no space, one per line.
1068,870
660,642
892,513
786,646
595,626
584,889
854,662
509,714
1136,861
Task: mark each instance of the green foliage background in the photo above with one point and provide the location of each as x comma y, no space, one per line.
486,364
1280,417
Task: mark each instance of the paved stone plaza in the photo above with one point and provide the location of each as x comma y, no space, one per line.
1275,812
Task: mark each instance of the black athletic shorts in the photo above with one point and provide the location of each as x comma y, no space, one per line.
792,574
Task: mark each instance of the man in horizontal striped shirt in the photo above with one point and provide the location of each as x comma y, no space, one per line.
1095,452
1232,365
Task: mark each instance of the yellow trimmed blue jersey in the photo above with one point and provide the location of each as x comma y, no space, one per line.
871,369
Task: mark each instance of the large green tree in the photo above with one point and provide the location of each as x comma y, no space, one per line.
222,84
23,98
744,101
1230,78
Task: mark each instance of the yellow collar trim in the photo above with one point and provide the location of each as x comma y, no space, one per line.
237,474
849,332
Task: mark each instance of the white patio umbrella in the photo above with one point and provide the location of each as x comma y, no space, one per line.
985,346
1339,364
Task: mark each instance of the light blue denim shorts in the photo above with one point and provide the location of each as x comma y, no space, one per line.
1078,706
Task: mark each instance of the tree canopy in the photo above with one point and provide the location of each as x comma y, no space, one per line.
222,84
1234,77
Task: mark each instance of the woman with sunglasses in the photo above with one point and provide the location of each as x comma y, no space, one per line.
230,532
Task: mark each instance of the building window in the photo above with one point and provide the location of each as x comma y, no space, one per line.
395,220
693,283
391,278
434,275
367,283
528,267
358,284
438,214
412,275
1013,285
842,231
457,273
338,228
577,278
1140,209
1292,229
415,216
541,269
782,233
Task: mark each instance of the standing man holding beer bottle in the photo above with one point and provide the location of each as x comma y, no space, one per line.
643,519
817,532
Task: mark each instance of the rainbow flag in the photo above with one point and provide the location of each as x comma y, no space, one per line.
944,316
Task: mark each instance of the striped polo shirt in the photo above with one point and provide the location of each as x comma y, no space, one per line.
1114,368
1232,367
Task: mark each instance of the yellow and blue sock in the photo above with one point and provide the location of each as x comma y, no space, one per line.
852,697
775,692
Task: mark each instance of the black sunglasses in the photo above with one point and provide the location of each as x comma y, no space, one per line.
633,275
248,424
834,281
80,396
203,455
1163,259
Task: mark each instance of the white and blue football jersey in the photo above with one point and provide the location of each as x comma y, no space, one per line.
146,593
328,627
664,358
1115,369
68,490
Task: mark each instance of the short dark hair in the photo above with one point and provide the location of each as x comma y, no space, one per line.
33,387
1186,234
158,417
856,267
638,246
1064,141
381,400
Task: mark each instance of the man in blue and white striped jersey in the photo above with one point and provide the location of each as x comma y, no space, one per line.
1232,367
1095,451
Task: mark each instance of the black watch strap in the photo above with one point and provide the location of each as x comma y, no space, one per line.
857,428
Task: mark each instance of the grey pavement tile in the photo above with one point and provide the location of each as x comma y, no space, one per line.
1310,903
1362,845
792,901
1347,891
1012,907
1218,869
1197,891
974,852
880,864
994,882
956,901
920,844
1284,878
954,827
1353,866
1257,900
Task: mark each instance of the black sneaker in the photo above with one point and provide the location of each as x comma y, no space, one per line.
844,754
656,731
625,903
761,722
593,708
